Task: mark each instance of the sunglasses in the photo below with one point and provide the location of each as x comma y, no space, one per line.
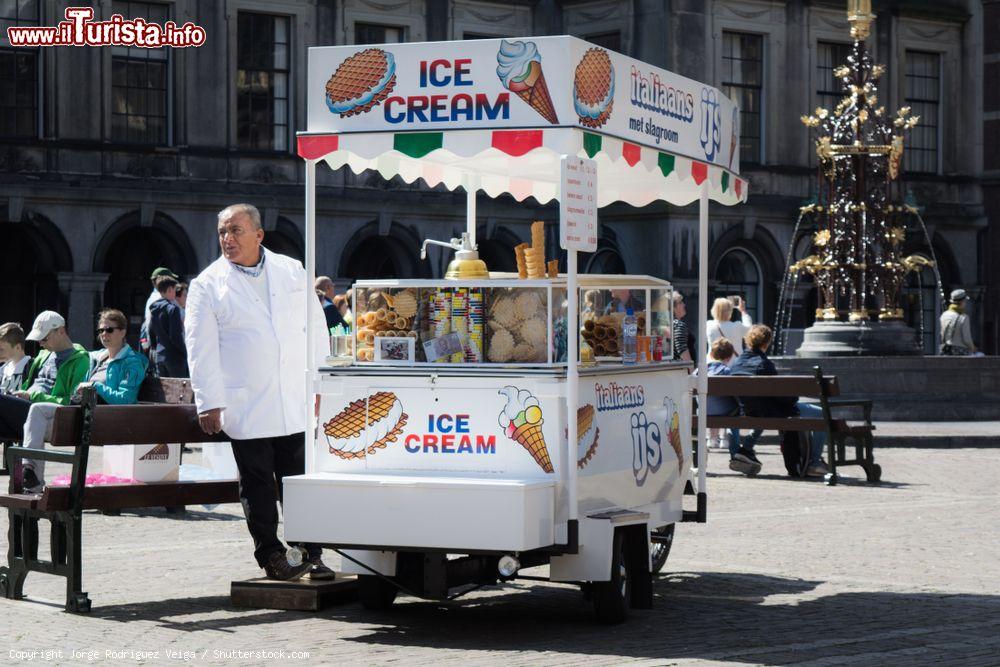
107,330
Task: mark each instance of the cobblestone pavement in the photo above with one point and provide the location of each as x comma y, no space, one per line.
784,572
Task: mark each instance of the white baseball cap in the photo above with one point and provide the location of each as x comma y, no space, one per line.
46,322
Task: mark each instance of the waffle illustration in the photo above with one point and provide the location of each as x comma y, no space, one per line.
522,422
159,453
365,426
361,82
584,424
519,67
594,88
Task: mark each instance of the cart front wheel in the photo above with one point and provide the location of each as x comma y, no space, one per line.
375,593
611,598
659,547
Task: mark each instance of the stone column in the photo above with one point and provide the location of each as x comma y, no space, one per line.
85,294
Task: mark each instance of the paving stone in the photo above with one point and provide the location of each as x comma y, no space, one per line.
784,572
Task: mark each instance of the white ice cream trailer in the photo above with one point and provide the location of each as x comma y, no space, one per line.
443,455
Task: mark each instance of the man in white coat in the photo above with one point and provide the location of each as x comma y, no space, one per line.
245,330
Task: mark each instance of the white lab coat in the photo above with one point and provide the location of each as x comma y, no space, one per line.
245,360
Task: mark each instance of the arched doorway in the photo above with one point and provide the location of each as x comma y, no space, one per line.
922,306
606,260
128,253
29,263
738,273
372,255
285,239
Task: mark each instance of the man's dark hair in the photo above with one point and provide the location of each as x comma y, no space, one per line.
163,283
12,334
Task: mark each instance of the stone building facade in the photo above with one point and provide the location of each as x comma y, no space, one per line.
114,161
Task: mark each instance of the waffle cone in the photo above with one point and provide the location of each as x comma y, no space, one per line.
537,96
530,437
534,259
520,256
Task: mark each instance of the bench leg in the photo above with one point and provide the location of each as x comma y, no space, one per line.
76,598
873,471
831,454
13,575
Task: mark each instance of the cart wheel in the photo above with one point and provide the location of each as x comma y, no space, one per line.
375,593
875,474
660,548
611,598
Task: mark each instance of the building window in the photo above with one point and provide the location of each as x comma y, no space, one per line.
829,89
739,274
477,35
923,96
18,74
262,55
610,40
743,82
139,83
371,33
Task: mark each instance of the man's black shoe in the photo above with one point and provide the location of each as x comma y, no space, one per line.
30,482
318,571
749,453
280,569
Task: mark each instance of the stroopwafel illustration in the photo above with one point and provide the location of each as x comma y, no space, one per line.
361,82
365,426
594,88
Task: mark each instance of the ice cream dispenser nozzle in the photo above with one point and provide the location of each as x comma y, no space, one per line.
466,263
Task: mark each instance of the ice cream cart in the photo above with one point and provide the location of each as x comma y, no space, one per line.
486,423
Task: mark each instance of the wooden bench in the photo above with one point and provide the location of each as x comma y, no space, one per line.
165,414
841,435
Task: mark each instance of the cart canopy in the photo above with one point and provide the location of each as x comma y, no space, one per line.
498,115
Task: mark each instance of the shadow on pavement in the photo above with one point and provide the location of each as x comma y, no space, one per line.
736,617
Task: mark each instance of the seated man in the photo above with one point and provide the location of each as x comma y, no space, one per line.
12,354
117,374
52,377
754,361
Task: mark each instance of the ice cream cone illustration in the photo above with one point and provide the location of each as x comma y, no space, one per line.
521,420
519,67
674,432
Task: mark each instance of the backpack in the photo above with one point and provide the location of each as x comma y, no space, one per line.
795,451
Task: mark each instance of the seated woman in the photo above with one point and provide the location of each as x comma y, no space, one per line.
116,373
754,361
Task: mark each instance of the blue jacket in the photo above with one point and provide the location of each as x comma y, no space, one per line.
755,362
166,339
720,405
125,374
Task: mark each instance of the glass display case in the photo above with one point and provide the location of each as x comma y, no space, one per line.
503,321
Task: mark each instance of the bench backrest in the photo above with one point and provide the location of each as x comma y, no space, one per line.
771,385
173,418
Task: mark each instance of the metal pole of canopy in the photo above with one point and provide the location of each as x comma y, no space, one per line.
572,381
470,207
702,346
311,304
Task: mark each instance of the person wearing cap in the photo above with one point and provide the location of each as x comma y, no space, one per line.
166,331
956,334
52,377
154,296
245,330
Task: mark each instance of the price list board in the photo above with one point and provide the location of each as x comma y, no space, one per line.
578,204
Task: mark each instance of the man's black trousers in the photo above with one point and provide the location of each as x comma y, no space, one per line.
263,463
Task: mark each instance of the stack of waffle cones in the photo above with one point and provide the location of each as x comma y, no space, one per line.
531,258
529,435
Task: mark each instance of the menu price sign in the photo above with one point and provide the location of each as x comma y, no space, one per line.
578,204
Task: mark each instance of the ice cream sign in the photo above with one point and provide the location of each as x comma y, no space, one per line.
528,82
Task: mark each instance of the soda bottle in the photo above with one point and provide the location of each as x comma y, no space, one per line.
658,349
629,331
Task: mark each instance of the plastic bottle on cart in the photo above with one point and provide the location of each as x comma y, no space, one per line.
629,331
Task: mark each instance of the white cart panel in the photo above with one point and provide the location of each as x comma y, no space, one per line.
420,512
